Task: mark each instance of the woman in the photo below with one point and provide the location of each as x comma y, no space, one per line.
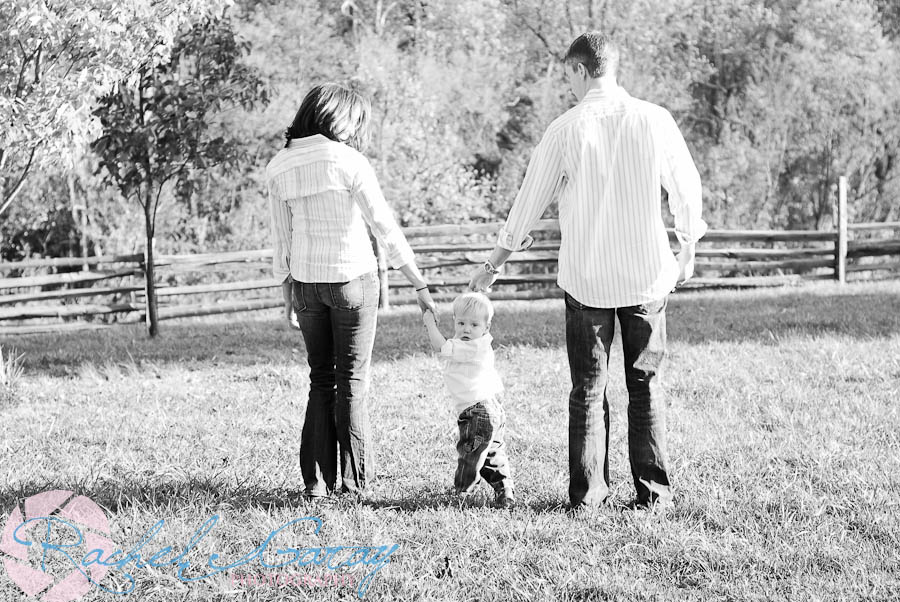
322,195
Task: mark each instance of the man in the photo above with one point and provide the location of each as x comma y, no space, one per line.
604,161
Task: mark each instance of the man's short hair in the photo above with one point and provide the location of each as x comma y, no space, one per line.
596,51
478,302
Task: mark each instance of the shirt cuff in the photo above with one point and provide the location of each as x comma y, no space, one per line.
506,241
695,233
447,348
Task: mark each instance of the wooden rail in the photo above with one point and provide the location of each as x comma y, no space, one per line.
446,254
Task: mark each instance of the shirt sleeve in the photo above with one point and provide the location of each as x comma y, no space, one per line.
461,351
280,216
543,182
378,216
681,180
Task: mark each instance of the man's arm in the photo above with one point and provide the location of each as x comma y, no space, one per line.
681,180
435,337
543,182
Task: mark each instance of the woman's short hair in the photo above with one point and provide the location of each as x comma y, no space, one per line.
596,51
467,302
334,111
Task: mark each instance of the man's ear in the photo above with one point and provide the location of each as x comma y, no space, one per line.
581,70
488,327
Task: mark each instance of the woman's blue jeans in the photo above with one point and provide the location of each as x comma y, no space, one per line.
338,324
589,336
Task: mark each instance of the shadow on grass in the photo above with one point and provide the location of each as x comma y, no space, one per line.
201,492
121,495
444,498
858,311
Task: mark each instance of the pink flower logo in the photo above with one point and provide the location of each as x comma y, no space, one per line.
50,565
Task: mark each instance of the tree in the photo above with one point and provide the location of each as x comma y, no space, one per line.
160,128
57,57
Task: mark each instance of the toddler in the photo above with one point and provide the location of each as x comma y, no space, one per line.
474,385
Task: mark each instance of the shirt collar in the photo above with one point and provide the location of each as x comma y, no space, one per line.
605,94
484,340
307,141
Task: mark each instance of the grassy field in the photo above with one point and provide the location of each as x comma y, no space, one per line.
784,423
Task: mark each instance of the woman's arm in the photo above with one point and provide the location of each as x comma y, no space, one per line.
378,216
280,221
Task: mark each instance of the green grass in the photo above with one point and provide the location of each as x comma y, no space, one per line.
784,434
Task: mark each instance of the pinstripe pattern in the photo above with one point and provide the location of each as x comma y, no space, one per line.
604,160
322,195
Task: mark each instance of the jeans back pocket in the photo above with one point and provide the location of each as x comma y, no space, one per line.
356,293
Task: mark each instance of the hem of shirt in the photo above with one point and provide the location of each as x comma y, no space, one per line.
630,301
342,276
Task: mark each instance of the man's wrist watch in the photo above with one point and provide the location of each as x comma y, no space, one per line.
489,268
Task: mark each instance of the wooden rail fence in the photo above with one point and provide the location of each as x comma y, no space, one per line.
446,254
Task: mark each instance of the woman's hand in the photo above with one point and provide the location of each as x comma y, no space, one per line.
426,303
287,295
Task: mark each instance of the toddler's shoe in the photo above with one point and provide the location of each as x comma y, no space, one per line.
505,499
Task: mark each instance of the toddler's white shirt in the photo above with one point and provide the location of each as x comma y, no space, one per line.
469,371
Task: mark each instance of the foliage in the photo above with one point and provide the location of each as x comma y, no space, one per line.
777,99
57,57
801,93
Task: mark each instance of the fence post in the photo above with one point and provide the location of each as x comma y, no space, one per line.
840,250
383,301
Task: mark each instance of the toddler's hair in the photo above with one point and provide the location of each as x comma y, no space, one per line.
467,302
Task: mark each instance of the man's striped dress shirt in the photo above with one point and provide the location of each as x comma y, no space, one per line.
605,160
322,195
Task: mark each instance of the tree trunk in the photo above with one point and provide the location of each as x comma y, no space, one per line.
152,315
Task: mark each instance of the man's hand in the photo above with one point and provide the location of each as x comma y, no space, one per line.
685,259
481,281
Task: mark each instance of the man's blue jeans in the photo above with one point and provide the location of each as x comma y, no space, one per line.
589,336
338,325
